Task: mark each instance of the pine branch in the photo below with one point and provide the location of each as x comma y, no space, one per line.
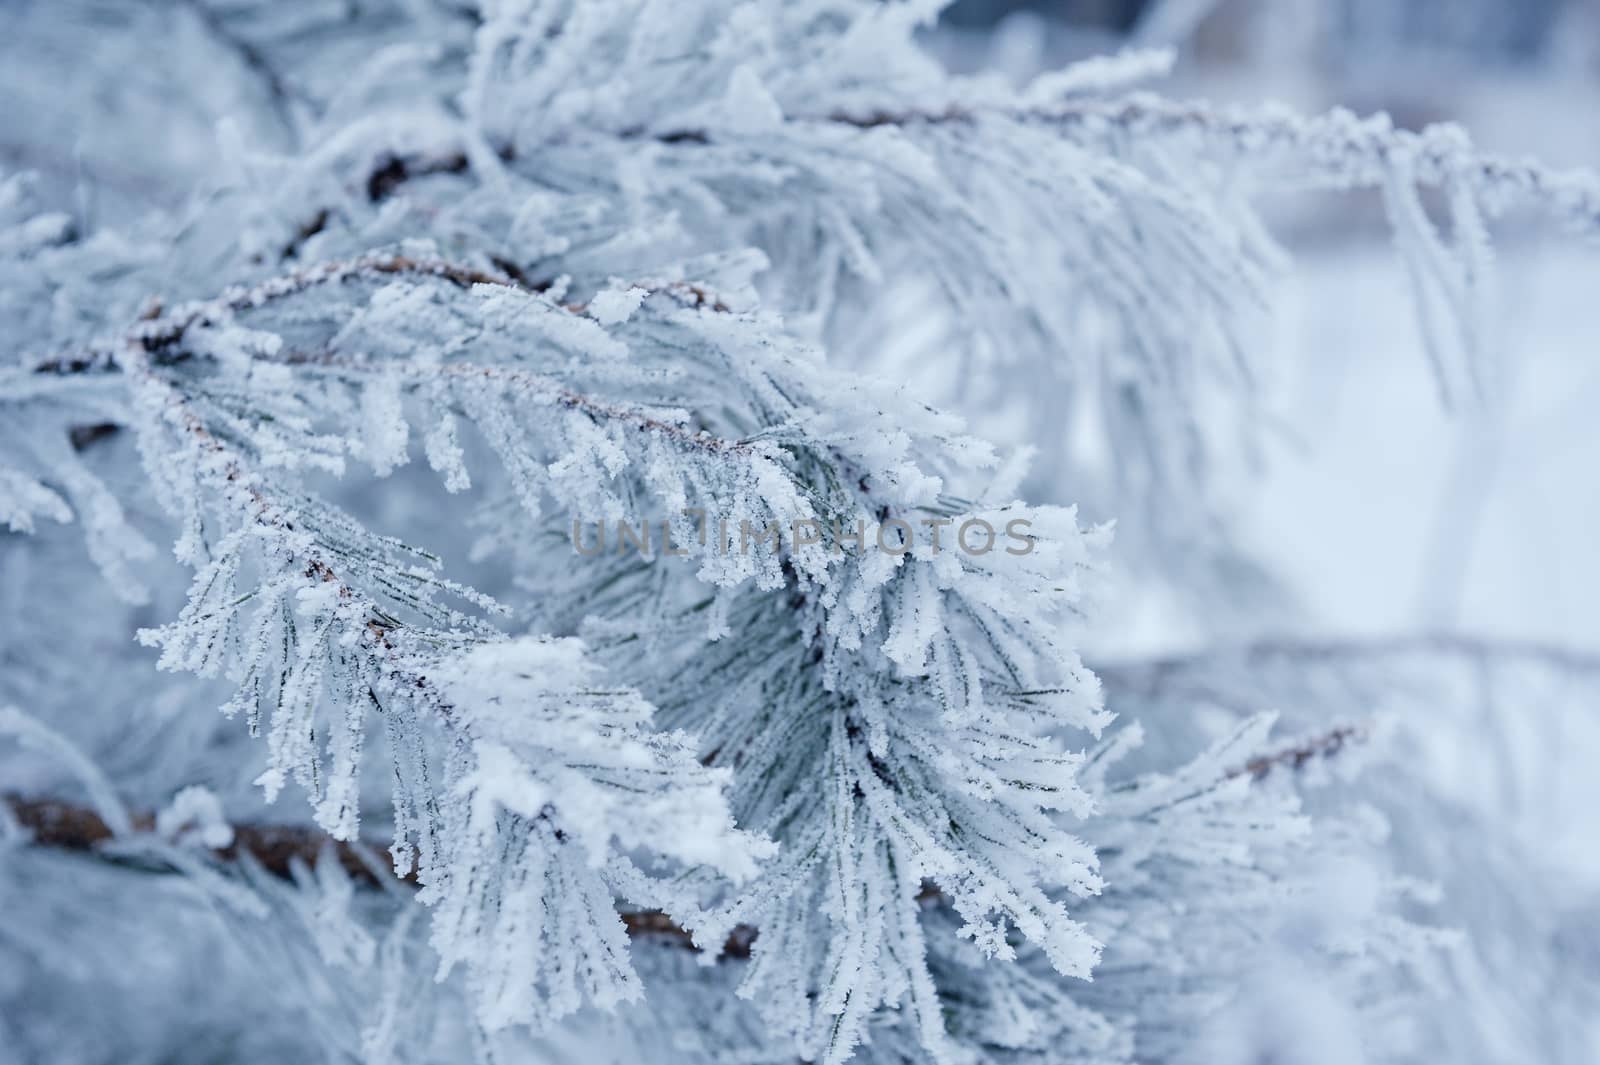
1338,148
231,473
159,329
279,848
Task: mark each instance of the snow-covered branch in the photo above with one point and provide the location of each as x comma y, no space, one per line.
697,275
1337,149
278,848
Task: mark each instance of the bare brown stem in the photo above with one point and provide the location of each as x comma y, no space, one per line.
1297,755
279,848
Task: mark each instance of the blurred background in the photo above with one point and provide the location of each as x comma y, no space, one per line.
1385,511
1388,515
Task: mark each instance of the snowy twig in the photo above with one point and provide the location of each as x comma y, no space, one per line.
279,848
159,329
1338,148
1346,150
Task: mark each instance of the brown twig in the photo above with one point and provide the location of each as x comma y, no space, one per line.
1297,755
279,848
307,229
392,171
70,827
389,172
